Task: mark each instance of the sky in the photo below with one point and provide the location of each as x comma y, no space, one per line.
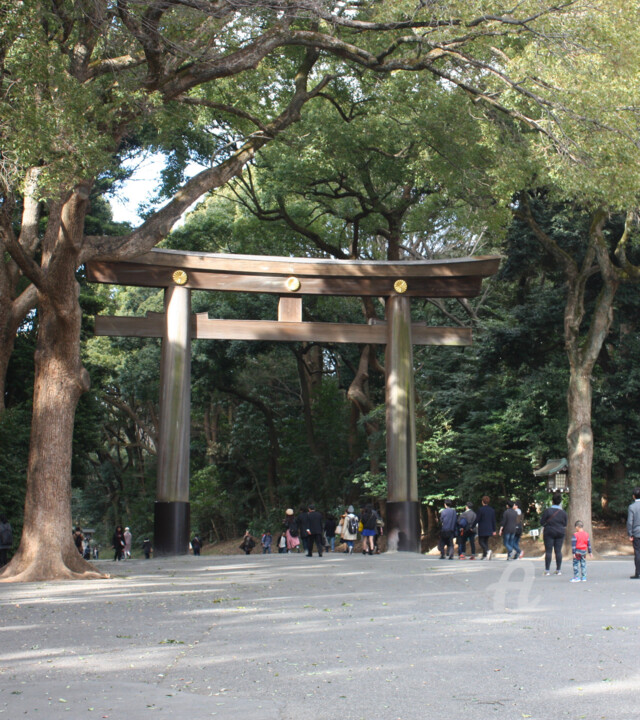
140,188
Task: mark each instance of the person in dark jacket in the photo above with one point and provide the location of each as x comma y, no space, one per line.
448,526
508,527
330,533
303,527
467,531
146,548
554,521
6,539
313,530
118,543
633,530
486,526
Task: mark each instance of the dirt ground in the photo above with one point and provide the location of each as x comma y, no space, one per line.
607,541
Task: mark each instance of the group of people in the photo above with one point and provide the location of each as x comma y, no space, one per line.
85,545
483,525
310,528
464,528
121,543
458,530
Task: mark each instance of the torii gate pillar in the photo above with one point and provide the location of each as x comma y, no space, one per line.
403,509
171,510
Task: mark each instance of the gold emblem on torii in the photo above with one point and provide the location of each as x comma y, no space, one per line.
180,277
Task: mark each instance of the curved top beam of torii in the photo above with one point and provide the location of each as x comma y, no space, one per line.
459,277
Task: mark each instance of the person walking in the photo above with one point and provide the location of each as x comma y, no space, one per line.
486,526
633,530
292,531
6,539
282,543
266,541
350,529
580,546
508,527
248,543
146,548
78,539
518,552
117,543
467,532
330,533
302,527
127,544
554,521
196,544
369,528
314,529
448,526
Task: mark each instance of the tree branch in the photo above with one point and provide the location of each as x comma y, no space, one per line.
160,223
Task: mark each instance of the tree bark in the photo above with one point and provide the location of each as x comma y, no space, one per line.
47,550
579,450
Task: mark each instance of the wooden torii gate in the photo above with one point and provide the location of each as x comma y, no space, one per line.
290,278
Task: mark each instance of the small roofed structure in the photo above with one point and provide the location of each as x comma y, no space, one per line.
556,473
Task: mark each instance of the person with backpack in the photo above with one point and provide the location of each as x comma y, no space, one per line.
266,541
350,529
467,531
448,526
6,539
292,533
369,527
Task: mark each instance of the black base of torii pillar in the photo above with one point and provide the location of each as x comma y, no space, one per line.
171,511
403,508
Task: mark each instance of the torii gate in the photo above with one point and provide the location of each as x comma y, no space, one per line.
290,278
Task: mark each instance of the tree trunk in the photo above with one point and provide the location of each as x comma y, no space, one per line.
47,550
579,450
306,394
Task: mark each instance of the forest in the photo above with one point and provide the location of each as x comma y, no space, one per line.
354,131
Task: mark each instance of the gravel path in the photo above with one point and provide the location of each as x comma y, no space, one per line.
286,637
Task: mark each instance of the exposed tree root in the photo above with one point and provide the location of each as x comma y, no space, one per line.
22,569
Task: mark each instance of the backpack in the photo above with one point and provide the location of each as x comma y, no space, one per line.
293,529
352,524
463,525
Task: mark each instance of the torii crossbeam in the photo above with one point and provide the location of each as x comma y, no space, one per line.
290,278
